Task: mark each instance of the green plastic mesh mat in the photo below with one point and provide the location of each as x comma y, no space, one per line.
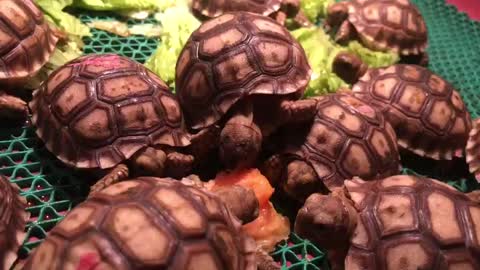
52,190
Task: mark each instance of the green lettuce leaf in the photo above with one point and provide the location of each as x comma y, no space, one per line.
69,24
177,25
321,50
315,9
64,53
119,5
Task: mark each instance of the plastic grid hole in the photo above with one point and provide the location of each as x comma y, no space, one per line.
136,47
297,253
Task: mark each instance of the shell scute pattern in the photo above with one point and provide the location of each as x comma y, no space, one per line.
389,24
106,108
403,213
13,219
232,56
26,40
348,137
430,121
113,227
214,8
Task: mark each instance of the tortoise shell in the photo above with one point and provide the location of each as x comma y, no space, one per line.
234,56
215,8
147,223
13,219
26,40
428,115
406,222
395,25
98,110
347,138
473,149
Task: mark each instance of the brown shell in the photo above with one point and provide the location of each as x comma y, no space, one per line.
98,110
26,40
215,8
473,149
395,25
233,56
347,138
406,222
428,115
147,223
13,219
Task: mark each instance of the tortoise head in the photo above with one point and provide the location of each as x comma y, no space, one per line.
329,221
336,14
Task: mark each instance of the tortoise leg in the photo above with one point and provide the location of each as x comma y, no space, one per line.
149,161
298,111
302,19
240,139
349,67
241,201
345,33
117,174
204,142
302,180
336,15
12,107
474,196
178,165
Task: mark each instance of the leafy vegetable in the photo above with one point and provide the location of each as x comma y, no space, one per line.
118,5
178,23
122,29
315,9
64,53
321,50
72,26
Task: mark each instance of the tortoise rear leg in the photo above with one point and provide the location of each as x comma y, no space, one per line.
474,196
12,107
345,33
240,139
117,174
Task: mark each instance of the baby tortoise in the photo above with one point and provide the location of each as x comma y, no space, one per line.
427,113
100,111
26,43
347,138
13,219
385,25
150,223
243,72
280,10
400,222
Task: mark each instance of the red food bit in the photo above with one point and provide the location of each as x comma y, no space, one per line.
309,257
88,261
44,198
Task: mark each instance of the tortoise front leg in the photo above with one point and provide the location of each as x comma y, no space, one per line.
12,107
149,161
349,67
117,174
298,111
474,196
265,261
178,165
345,33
